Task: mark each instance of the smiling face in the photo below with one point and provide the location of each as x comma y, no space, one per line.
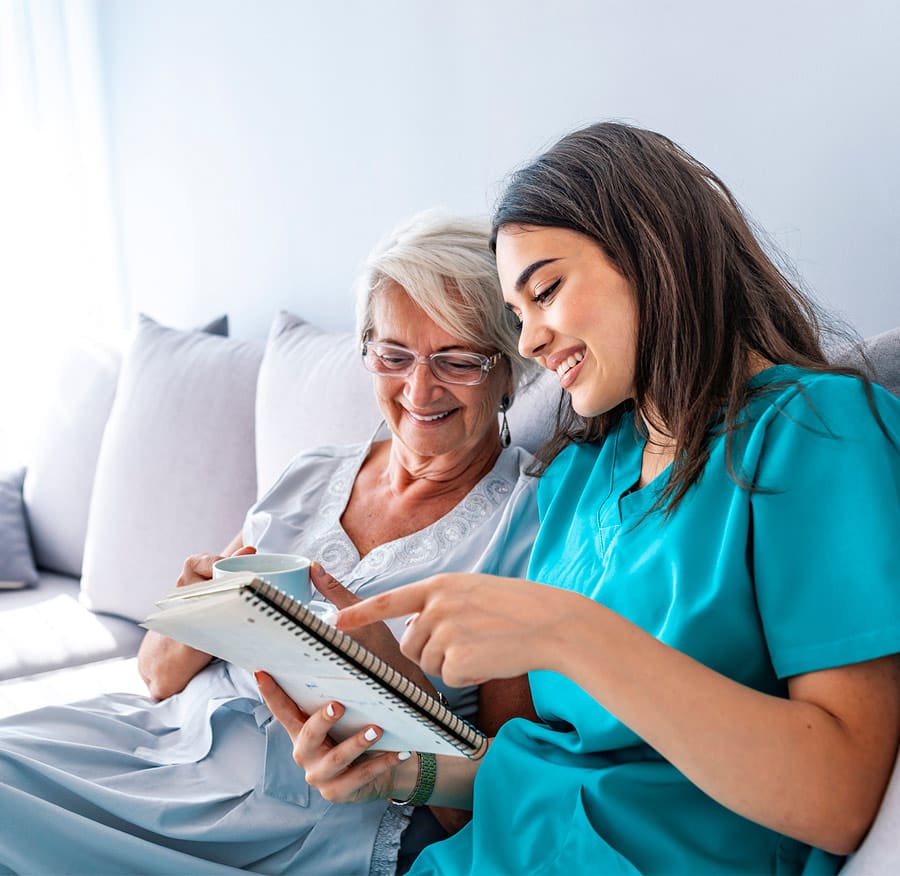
428,418
579,314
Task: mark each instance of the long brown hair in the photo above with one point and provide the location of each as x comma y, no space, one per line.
708,295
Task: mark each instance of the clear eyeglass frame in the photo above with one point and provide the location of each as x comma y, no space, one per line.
463,368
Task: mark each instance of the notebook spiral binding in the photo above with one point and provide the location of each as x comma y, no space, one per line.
367,667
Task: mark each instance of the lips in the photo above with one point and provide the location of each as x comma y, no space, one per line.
568,364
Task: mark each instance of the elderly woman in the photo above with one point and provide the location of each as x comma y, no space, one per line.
200,779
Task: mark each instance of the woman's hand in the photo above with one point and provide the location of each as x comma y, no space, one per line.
377,637
470,627
165,664
339,771
199,567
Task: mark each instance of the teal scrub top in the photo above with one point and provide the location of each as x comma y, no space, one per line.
798,576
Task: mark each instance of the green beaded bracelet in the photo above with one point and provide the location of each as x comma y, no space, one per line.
425,780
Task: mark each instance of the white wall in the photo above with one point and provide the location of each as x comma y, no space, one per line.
261,148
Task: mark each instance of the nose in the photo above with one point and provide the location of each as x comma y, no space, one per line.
533,338
422,386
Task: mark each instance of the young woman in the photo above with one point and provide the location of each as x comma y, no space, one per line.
715,662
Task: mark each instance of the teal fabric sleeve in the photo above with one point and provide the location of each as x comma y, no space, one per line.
826,536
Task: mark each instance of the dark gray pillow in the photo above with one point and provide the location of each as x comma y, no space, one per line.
16,561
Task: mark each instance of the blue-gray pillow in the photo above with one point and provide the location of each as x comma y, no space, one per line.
16,561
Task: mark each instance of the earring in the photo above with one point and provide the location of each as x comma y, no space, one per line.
504,425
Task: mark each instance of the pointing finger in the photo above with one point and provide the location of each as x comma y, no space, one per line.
403,600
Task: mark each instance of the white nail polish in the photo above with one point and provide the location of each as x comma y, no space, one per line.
404,755
370,735
329,710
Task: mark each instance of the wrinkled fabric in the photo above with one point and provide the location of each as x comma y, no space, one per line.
204,781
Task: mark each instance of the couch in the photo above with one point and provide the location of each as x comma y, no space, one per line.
149,453
153,451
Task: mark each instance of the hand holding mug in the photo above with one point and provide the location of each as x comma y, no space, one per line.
199,567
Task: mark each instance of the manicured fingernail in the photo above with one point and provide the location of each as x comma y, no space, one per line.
404,755
411,618
329,710
370,735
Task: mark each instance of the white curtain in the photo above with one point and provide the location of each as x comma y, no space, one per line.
59,275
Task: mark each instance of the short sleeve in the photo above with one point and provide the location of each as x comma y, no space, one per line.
825,543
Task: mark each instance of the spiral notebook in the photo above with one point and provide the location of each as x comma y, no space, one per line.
255,625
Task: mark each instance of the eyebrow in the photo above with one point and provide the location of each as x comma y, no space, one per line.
447,348
525,276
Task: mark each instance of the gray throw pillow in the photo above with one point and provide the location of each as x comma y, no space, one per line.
16,562
883,355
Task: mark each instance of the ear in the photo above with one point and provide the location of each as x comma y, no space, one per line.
510,390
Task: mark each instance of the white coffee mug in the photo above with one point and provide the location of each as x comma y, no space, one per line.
288,572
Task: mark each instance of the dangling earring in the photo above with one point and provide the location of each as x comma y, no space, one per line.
504,426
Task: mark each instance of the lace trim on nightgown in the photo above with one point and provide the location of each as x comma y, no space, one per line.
339,556
387,841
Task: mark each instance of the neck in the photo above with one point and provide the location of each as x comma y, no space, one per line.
659,451
659,440
434,476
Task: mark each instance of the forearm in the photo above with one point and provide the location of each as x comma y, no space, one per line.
498,701
166,665
790,764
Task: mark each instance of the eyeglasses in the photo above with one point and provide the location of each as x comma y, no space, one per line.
463,368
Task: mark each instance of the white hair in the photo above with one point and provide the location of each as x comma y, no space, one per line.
446,266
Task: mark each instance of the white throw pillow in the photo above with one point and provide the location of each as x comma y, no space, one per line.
176,470
312,390
62,462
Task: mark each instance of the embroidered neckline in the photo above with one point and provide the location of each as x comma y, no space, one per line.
338,554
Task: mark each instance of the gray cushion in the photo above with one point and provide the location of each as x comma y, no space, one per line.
883,354
533,412
16,562
44,628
